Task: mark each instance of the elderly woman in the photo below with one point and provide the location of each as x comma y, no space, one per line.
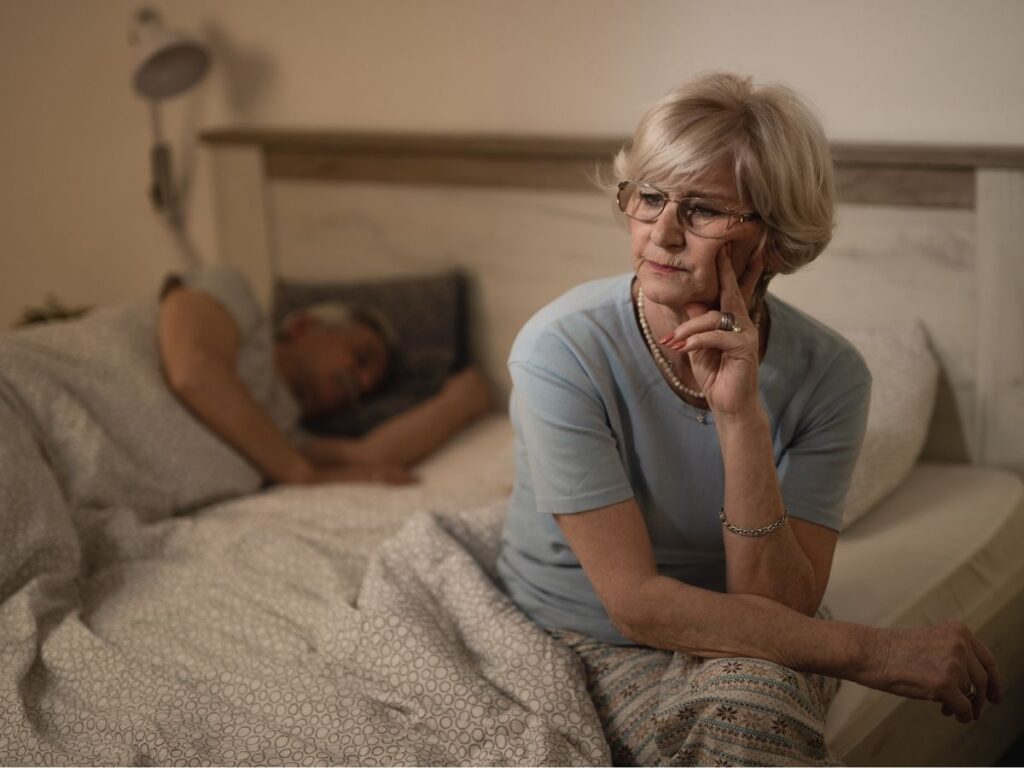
684,445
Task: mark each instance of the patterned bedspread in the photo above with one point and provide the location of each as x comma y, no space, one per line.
154,609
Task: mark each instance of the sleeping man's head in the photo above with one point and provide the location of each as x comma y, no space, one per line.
330,355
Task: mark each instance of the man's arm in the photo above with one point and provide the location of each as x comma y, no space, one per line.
412,435
199,344
932,663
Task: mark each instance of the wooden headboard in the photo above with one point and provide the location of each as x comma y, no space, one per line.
935,233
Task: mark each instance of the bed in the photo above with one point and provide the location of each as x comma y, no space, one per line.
157,608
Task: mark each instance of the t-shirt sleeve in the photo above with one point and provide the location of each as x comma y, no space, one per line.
573,456
816,468
231,290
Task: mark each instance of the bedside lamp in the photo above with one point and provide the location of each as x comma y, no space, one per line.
167,63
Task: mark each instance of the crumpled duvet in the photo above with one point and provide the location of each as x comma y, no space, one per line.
155,609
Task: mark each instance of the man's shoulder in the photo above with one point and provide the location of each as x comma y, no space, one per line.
229,288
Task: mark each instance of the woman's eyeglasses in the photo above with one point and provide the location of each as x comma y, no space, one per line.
704,218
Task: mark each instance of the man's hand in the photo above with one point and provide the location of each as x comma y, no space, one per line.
386,474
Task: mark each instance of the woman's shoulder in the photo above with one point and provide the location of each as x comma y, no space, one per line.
805,346
583,315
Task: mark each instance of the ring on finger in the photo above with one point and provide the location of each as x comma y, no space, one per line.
970,691
728,323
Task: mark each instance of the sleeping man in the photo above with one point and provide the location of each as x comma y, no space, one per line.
250,386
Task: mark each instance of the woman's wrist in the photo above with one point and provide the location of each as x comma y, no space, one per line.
750,417
866,653
843,650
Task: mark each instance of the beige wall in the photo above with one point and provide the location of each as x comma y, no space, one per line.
74,217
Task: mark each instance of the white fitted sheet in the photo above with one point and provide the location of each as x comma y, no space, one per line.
945,545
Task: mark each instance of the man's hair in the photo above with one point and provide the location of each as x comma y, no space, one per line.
341,316
338,314
769,135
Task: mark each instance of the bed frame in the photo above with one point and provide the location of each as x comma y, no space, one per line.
935,233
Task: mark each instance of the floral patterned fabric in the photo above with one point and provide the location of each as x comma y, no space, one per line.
663,708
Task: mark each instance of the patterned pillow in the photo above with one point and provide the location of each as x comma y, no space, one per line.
428,315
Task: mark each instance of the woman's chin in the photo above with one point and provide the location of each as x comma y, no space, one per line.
673,289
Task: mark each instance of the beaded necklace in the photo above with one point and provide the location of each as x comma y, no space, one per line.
663,362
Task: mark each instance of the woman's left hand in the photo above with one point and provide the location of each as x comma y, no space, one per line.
724,362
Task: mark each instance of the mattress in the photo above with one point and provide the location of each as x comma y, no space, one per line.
478,463
945,545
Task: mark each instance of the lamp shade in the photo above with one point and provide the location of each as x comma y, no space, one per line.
167,62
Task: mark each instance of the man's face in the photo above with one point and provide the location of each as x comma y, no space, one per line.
336,367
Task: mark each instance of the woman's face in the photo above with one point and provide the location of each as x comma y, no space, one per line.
675,267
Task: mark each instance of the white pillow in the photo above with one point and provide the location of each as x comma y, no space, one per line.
905,379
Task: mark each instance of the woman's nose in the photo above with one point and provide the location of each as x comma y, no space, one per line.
668,232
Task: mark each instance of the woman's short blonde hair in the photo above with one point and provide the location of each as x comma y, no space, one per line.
770,136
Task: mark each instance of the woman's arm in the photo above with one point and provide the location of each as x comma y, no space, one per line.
934,663
792,564
413,434
199,343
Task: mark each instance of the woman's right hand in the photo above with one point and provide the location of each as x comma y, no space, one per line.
939,663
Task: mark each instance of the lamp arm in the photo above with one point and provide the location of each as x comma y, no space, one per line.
163,191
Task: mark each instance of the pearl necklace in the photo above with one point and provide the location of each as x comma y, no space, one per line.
663,362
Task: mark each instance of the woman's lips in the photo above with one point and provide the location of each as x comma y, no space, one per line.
663,269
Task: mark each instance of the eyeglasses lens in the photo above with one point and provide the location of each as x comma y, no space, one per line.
645,203
641,202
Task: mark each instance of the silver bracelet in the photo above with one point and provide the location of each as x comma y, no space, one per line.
762,531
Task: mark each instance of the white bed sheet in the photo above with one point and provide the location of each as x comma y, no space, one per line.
945,545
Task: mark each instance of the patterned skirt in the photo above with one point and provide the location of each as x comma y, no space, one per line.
664,708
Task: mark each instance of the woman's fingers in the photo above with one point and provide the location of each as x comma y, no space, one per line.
974,674
735,295
978,684
960,706
723,341
994,689
707,321
753,272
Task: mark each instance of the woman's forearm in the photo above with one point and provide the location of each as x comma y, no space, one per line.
944,663
773,566
668,614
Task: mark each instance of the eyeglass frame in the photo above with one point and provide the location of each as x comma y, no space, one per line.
734,216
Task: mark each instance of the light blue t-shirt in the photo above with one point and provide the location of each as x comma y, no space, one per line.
596,424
